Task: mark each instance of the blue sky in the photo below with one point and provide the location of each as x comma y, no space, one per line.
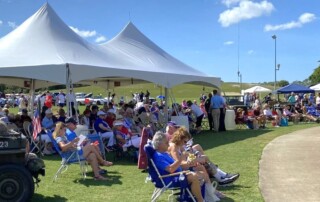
214,36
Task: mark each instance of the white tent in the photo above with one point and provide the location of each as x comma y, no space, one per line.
159,67
257,89
316,87
45,48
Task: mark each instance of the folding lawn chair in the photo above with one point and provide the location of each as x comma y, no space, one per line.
70,157
35,145
160,186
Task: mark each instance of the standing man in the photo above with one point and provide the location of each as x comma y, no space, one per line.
222,126
207,105
216,102
61,99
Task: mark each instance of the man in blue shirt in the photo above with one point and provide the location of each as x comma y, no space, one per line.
167,165
216,102
102,127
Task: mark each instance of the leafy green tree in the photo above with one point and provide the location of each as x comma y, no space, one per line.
315,76
282,83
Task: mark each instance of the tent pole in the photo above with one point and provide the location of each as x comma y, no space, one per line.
68,90
166,107
31,104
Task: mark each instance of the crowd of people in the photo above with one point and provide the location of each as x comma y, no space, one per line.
296,108
121,125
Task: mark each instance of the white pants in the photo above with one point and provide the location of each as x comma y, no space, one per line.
133,141
110,137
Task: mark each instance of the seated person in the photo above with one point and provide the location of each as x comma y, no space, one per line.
242,117
47,124
260,117
269,115
222,177
130,123
122,136
104,129
89,152
288,114
196,163
167,165
312,113
62,115
85,118
110,117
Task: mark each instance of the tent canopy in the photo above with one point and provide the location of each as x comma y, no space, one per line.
316,87
257,89
296,88
45,48
134,46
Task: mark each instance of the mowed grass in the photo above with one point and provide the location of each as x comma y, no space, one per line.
234,151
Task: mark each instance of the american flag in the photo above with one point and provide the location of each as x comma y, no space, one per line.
36,125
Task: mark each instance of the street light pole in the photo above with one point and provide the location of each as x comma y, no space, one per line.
275,61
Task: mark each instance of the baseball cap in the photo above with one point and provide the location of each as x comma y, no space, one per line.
71,120
101,113
174,124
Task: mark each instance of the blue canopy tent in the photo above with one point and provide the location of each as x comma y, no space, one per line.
296,88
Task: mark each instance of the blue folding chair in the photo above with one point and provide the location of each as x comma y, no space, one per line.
160,186
70,157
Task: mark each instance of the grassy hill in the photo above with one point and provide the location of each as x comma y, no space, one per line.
184,91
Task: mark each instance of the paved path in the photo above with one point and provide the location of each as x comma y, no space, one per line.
290,167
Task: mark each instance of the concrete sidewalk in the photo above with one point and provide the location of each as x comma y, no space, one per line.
290,167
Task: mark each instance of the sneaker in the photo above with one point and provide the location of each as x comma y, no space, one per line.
228,180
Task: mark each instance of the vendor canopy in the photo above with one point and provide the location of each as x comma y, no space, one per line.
296,88
257,89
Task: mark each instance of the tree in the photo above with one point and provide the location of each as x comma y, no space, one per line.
282,83
315,76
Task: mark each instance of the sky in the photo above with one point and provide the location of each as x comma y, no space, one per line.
217,37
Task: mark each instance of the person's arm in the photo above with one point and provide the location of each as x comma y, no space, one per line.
104,128
174,152
68,146
174,166
121,139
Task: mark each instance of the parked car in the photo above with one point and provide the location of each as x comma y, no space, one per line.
82,98
99,100
234,101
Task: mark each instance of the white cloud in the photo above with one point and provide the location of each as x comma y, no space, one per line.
84,33
228,43
1,22
229,3
245,11
100,39
12,24
250,52
303,19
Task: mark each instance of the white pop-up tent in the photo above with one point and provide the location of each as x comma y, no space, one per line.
257,89
316,87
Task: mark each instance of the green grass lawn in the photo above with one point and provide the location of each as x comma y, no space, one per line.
234,151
